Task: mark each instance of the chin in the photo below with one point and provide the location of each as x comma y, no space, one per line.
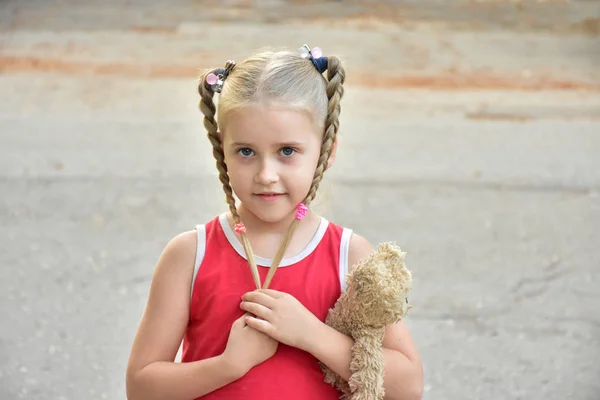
272,214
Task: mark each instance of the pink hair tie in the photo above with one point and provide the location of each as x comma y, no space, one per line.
240,227
301,211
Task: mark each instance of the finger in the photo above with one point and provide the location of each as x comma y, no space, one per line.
256,309
260,325
260,298
242,319
271,293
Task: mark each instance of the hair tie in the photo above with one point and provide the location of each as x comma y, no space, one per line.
315,56
240,227
301,211
217,77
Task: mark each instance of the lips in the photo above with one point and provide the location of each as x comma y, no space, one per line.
269,196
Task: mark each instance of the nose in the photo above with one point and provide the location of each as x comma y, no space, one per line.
267,173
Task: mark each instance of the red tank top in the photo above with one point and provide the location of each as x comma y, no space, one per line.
312,276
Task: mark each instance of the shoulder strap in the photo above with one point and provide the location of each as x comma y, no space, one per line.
344,250
200,250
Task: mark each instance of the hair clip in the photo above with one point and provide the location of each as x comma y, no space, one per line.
217,77
301,211
215,81
240,227
315,56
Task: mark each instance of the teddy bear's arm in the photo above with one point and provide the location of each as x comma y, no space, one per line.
366,382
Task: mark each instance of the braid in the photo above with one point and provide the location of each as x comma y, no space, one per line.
207,106
335,90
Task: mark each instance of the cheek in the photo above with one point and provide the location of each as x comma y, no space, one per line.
237,171
306,173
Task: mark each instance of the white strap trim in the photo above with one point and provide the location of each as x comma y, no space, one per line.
344,250
266,262
200,250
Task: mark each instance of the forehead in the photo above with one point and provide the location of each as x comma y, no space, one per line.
270,125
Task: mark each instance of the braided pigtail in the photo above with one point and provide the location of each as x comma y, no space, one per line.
335,90
207,106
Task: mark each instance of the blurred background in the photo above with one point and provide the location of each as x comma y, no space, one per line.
470,136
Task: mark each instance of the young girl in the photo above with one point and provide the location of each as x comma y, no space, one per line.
251,333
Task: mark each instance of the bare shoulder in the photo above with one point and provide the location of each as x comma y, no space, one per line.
175,268
179,252
359,248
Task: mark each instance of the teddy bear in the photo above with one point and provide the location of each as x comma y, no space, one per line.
375,297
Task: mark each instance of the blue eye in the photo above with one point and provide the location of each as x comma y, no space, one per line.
245,152
287,151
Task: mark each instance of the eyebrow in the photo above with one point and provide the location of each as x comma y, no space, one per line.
282,144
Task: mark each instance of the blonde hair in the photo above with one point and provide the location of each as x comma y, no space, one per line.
285,79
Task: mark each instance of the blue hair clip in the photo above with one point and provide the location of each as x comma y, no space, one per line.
315,56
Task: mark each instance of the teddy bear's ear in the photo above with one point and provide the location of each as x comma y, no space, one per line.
391,251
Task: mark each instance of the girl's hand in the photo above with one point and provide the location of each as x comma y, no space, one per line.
281,316
247,347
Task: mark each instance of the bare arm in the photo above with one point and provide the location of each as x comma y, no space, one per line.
186,381
152,373
403,379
